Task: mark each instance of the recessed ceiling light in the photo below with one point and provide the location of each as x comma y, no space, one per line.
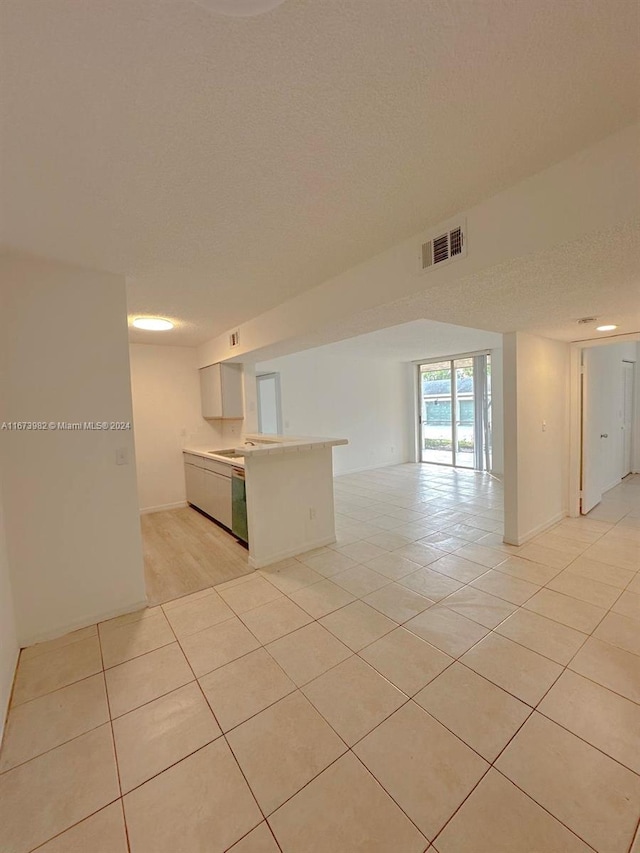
153,324
605,328
239,8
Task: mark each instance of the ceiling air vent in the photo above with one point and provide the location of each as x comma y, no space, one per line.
234,338
447,245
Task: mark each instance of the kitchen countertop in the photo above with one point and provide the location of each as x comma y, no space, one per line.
267,445
271,444
207,453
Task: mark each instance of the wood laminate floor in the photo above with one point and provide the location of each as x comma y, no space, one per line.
185,552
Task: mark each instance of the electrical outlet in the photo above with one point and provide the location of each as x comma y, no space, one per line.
312,513
122,456
544,426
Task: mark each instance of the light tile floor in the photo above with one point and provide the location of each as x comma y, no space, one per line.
419,685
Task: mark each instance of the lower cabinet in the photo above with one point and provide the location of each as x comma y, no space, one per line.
209,491
217,497
194,478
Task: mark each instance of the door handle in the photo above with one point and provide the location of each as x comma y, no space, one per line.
604,435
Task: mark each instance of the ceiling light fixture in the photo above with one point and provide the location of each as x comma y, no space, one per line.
239,8
608,328
153,324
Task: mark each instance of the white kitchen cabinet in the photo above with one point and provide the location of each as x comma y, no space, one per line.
194,479
217,497
208,486
221,391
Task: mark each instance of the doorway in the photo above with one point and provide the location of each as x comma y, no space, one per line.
269,404
607,419
628,383
455,412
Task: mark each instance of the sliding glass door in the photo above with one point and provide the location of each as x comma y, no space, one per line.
437,406
455,412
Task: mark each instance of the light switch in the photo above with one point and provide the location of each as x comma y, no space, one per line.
544,426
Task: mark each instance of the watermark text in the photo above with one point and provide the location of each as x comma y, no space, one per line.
63,426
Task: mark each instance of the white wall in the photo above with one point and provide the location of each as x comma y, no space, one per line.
167,416
372,402
368,401
636,431
71,514
290,506
536,459
605,386
8,633
9,646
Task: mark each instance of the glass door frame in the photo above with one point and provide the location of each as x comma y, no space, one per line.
261,377
482,420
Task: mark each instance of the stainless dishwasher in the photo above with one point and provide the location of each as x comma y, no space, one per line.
239,505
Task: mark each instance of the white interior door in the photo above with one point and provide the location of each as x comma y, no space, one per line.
592,437
269,406
628,369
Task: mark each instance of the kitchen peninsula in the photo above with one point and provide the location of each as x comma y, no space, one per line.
289,492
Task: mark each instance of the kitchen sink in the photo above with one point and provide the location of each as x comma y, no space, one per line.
229,454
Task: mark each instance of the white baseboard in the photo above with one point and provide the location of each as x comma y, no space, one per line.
536,531
149,509
83,622
290,552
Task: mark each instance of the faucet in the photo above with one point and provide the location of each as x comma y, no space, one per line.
249,444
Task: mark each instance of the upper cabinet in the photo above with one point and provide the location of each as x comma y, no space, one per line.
221,391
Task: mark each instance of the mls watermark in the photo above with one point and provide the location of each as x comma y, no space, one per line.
64,426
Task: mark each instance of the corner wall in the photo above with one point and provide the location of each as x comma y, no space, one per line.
368,401
636,416
536,434
9,647
71,513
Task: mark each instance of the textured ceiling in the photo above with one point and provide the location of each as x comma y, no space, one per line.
545,293
225,165
419,339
